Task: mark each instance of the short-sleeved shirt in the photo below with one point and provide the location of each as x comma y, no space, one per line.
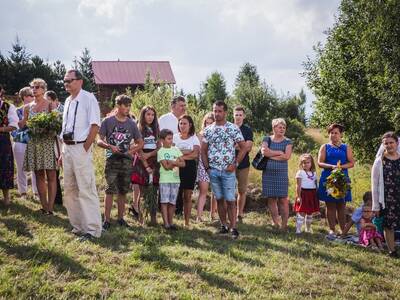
119,134
186,144
21,134
221,141
356,217
308,179
168,121
87,114
149,139
248,136
169,176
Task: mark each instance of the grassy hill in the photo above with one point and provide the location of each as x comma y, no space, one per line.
40,259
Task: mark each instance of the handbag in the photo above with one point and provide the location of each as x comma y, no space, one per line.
260,161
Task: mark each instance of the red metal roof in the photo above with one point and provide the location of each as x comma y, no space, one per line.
131,72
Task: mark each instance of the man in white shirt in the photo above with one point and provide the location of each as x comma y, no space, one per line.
81,121
170,120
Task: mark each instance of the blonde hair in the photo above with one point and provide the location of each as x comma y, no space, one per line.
209,115
305,157
40,82
24,92
276,122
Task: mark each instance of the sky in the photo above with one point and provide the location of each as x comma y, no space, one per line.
198,37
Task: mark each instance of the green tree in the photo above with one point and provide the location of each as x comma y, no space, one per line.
355,76
59,73
18,66
214,88
85,67
259,100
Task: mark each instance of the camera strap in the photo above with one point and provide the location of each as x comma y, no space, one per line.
76,110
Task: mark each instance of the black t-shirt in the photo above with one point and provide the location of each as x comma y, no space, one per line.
248,136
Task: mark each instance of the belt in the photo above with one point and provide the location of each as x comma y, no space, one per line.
73,142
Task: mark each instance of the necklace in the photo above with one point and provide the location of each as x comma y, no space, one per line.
311,177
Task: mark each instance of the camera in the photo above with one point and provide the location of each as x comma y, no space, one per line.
68,136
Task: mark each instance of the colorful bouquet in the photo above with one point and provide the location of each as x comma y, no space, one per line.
337,183
44,125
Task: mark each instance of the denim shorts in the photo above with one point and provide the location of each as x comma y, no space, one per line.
223,184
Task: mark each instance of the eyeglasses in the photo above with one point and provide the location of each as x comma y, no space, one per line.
69,80
36,87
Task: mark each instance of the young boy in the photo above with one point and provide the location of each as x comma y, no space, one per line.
170,158
357,214
121,138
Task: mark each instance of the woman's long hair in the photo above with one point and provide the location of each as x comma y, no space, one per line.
142,121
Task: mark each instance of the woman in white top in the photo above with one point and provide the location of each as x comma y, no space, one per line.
187,141
385,184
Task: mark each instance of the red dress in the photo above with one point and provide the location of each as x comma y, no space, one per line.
309,201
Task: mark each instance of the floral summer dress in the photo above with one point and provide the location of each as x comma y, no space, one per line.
391,179
40,154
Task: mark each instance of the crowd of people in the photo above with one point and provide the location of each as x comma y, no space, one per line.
163,159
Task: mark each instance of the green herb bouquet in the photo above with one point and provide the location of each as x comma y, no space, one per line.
44,125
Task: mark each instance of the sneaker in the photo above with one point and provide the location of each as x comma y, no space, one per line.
235,233
76,232
173,227
86,237
106,225
223,230
122,223
393,254
331,236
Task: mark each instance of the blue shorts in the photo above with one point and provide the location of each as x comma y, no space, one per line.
223,184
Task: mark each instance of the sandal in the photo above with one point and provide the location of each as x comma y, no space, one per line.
134,212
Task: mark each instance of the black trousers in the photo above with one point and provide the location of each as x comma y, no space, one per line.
58,199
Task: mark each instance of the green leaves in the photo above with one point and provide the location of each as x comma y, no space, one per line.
355,75
44,125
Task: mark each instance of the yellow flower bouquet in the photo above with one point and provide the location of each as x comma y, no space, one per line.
337,184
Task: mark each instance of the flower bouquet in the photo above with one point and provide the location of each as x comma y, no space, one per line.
337,183
44,125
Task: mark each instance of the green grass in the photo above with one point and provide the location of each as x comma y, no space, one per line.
41,259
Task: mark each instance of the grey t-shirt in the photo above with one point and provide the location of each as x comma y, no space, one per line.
119,134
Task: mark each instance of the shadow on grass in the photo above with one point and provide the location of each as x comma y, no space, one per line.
34,254
310,252
150,252
18,226
51,221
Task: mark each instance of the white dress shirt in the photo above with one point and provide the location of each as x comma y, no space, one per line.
87,114
168,121
11,115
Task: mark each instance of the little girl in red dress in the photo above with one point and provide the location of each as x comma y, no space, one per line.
307,202
369,236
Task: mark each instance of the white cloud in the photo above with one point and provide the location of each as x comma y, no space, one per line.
114,14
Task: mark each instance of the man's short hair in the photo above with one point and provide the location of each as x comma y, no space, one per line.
165,132
52,95
77,73
239,108
221,103
123,99
176,99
